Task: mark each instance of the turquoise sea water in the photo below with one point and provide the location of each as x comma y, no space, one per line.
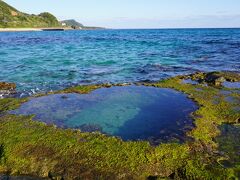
130,112
44,61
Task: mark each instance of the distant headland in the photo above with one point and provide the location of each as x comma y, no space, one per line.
12,19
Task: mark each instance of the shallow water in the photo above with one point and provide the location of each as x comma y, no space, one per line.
44,61
189,81
231,84
231,99
229,144
131,112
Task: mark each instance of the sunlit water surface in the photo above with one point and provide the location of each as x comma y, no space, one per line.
44,61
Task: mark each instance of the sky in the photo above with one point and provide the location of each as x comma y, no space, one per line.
139,13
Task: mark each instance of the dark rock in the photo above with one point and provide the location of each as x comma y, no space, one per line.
214,79
220,76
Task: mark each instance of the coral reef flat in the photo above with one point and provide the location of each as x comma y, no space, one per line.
33,148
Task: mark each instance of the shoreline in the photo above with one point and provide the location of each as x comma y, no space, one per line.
33,29
18,29
42,29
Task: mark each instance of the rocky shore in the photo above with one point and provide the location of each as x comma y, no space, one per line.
33,148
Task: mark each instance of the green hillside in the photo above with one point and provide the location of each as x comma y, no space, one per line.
12,18
76,25
73,23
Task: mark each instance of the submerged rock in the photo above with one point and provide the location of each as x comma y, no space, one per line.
7,89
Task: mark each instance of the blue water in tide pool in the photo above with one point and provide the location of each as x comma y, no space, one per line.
130,112
44,61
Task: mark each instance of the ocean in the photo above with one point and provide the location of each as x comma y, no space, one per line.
44,61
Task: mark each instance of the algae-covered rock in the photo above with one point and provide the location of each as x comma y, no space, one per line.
214,78
7,86
219,77
7,89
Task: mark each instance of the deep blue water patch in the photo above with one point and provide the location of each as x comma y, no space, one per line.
130,112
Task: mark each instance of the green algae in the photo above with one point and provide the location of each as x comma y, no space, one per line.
8,104
214,78
30,147
85,89
39,150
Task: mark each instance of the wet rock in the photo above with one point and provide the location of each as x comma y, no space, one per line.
7,89
220,77
230,76
214,79
122,84
198,75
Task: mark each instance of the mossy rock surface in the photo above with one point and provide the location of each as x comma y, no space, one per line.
34,148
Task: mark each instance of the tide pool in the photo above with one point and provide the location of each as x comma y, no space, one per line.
129,112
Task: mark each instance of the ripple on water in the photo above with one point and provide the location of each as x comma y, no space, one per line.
130,112
115,55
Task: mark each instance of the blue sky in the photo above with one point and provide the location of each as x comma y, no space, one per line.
139,13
